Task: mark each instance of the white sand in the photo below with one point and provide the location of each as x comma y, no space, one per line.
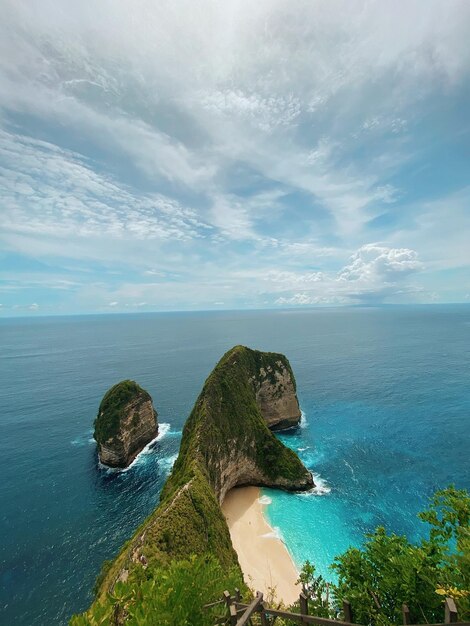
264,558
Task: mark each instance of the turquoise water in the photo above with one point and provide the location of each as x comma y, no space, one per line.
386,398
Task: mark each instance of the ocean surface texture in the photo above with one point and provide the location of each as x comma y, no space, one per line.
386,401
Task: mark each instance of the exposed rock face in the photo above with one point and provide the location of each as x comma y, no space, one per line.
237,469
125,424
276,395
226,442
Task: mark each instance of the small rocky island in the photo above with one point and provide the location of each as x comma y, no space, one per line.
125,424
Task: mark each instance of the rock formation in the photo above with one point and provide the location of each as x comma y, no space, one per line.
276,395
125,424
226,442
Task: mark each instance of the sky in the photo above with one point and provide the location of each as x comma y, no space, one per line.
183,155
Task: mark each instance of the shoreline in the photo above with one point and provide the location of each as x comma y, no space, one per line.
264,559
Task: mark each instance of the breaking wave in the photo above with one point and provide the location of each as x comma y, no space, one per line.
275,533
163,429
321,487
167,463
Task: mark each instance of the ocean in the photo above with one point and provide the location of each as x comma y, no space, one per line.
385,394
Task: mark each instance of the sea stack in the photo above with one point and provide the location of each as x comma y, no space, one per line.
276,393
125,424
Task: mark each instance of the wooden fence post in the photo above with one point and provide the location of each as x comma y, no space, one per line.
233,615
451,611
303,605
232,611
406,614
347,611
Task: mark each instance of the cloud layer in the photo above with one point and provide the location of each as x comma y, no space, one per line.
181,155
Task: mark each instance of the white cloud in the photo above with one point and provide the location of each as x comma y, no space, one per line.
72,200
375,263
305,299
237,84
375,273
214,148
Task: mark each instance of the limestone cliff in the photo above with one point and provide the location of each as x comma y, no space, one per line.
226,442
276,395
125,424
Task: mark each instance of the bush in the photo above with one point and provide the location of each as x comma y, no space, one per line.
170,596
389,571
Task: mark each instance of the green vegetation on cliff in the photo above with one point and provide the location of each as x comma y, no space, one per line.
111,409
226,416
172,595
225,442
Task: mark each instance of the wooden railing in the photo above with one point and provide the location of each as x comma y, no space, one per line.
239,613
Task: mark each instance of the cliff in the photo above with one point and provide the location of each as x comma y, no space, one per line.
125,424
276,393
226,442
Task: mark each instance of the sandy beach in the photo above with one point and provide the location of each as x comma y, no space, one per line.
264,559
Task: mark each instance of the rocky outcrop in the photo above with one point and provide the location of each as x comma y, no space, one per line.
125,424
226,442
276,395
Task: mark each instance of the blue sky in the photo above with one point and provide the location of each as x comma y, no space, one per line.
180,155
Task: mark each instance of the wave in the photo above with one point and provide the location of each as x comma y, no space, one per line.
275,533
163,429
353,475
321,487
265,500
303,419
83,440
303,449
168,462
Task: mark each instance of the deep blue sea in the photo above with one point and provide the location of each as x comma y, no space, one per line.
386,398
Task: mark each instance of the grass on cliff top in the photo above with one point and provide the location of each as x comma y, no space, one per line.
111,409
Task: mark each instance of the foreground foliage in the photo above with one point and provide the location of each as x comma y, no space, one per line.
389,571
169,596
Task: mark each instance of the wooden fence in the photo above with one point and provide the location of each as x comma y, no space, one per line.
239,613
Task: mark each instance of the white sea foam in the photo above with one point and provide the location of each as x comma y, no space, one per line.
84,439
264,500
168,462
303,419
163,429
321,487
274,534
303,449
353,475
